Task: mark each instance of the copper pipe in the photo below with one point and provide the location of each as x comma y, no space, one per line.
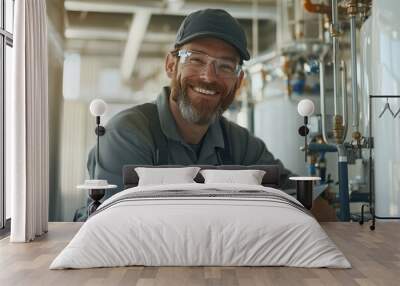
322,9
316,8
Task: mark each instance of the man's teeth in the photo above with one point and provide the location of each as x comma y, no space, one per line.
205,91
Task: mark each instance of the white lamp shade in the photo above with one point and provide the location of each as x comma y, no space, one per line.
305,107
98,107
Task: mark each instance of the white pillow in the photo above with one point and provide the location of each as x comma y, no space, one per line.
162,176
248,177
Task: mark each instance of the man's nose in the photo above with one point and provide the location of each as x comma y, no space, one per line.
209,73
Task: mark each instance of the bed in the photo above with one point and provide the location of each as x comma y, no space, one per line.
201,224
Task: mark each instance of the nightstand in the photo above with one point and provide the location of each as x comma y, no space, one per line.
96,190
304,190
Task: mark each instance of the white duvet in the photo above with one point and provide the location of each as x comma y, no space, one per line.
183,231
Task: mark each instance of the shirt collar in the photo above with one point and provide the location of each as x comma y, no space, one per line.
167,121
213,137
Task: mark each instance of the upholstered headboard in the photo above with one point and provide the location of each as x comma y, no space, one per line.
270,179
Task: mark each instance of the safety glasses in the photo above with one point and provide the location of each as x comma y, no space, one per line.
197,62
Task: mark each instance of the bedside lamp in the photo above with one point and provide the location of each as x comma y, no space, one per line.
304,189
98,108
97,187
305,108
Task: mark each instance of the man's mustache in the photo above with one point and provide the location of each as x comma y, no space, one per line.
180,89
204,85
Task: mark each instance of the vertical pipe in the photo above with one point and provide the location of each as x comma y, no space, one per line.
322,96
344,214
98,145
250,108
322,167
335,74
305,138
371,168
354,72
343,73
98,142
255,27
334,12
3,45
335,53
321,28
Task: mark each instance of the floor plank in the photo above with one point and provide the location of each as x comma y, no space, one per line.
374,255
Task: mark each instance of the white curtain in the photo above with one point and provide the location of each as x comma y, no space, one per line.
71,170
28,123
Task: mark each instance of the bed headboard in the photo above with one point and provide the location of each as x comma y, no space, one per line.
270,179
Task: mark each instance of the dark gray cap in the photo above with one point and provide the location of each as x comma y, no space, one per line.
216,23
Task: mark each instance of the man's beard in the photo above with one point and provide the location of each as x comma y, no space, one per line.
201,113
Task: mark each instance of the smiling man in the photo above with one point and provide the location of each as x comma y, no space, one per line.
185,126
205,75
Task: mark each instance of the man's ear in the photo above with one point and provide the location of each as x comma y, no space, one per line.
171,64
239,80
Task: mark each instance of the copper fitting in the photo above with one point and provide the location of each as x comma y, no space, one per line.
287,66
364,7
316,8
319,139
356,136
338,129
322,8
334,31
352,8
287,69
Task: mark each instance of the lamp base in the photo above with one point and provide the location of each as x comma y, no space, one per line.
305,193
304,190
96,195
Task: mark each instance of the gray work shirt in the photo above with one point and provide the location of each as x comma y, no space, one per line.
128,140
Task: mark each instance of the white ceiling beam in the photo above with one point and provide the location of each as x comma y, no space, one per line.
106,7
95,34
159,37
174,4
115,35
113,48
135,38
240,11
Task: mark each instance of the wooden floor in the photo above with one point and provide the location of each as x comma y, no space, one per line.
375,256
